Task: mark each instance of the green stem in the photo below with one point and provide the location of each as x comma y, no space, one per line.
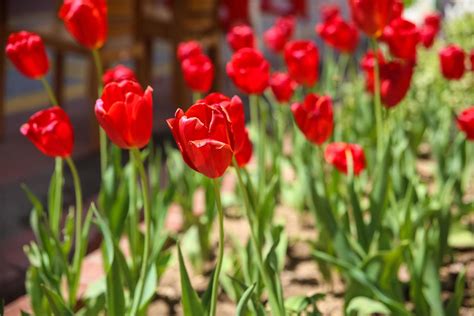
262,124
377,101
147,214
102,135
275,304
55,213
78,255
49,91
133,215
196,96
215,280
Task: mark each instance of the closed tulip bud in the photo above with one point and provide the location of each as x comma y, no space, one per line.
429,29
249,71
278,35
302,60
452,62
198,72
86,20
337,154
371,16
125,113
465,122
117,74
26,51
188,49
241,36
338,34
282,86
51,132
314,117
402,38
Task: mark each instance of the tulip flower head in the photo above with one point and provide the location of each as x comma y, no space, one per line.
117,74
371,16
302,60
125,112
402,37
337,154
282,86
26,51
278,35
249,71
86,21
188,49
314,117
452,62
429,29
465,122
241,36
198,72
51,131
338,34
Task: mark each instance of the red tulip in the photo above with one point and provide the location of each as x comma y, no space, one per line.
429,29
249,71
314,117
371,16
339,34
302,60
471,59
117,74
336,154
240,36
329,11
125,112
465,121
397,10
433,20
452,64
26,51
282,86
278,35
402,37
51,132
204,136
234,109
86,20
198,72
188,49
395,78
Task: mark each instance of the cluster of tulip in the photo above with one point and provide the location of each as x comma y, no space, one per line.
371,223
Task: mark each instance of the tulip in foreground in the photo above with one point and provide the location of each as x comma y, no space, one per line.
314,117
51,132
465,122
249,71
336,154
117,74
86,20
402,37
302,60
452,62
26,51
125,112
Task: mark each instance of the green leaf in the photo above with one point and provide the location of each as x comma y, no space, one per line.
37,205
108,244
461,238
115,297
242,305
458,296
364,306
299,303
190,300
56,302
55,197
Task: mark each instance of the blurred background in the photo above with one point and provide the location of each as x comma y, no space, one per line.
143,34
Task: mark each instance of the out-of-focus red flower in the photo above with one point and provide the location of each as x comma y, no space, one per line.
125,113
188,49
329,11
278,35
249,71
282,86
240,36
314,117
204,136
402,38
339,34
117,74
302,60
452,62
397,10
395,77
233,12
471,59
465,122
198,72
336,154
26,51
234,109
371,16
429,29
86,20
51,132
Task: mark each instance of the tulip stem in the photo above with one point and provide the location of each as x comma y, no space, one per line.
49,91
215,280
196,96
79,253
262,124
137,160
377,101
275,304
